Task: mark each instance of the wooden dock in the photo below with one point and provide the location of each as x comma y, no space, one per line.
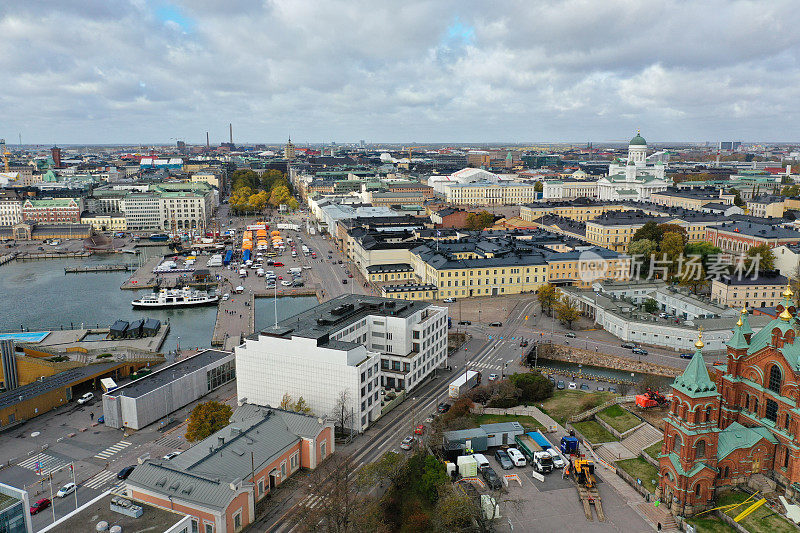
35,256
99,268
7,258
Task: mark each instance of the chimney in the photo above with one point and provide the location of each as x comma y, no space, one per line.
208,145
220,440
230,127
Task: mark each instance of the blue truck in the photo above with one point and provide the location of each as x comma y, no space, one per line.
228,257
540,439
569,445
246,256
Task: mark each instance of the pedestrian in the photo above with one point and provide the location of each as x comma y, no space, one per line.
659,526
91,416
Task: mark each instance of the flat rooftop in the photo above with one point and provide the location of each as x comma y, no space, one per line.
168,374
97,510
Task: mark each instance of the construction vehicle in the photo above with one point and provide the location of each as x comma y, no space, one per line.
582,471
569,445
651,398
541,461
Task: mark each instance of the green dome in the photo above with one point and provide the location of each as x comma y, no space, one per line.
638,140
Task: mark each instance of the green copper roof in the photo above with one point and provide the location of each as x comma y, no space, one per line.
695,380
737,436
746,329
676,464
638,140
738,341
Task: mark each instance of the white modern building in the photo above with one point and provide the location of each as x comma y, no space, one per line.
636,179
349,347
10,208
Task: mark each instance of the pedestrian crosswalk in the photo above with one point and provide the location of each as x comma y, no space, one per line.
43,463
100,479
112,450
487,366
170,441
311,501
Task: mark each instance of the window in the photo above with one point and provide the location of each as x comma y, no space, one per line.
676,444
237,520
283,471
700,449
697,490
195,526
775,379
294,461
786,458
727,472
771,412
209,528
323,449
787,421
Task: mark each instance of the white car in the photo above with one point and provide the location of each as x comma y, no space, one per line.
572,385
226,296
516,457
86,398
492,377
66,490
170,455
407,443
286,283
558,460
449,300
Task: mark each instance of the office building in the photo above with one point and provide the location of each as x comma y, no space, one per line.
348,347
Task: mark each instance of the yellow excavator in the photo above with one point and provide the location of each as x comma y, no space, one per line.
583,471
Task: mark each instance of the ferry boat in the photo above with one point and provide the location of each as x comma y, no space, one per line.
186,297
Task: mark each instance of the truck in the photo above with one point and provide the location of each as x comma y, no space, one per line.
295,271
245,256
228,257
540,439
305,249
541,461
569,445
295,227
464,383
214,261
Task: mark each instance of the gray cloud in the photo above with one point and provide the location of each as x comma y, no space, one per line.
148,71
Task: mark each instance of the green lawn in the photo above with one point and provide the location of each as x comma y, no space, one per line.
594,432
762,520
619,418
528,422
710,524
654,449
638,468
566,403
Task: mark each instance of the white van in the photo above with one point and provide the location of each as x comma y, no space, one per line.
481,459
516,457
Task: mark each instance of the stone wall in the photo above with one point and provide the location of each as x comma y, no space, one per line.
568,354
613,431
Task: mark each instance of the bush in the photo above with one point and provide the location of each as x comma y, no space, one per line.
105,355
533,386
206,419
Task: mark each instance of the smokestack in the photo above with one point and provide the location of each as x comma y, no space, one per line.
208,145
230,127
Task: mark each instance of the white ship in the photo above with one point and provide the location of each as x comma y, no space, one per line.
186,297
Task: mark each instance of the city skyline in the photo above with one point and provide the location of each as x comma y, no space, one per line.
131,72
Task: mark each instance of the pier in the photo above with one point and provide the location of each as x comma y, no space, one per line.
35,256
99,268
7,258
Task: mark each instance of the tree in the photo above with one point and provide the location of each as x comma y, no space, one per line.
206,419
766,258
286,402
434,475
342,411
737,197
791,190
533,386
300,406
389,468
647,382
649,231
671,248
703,249
538,186
548,295
485,219
650,306
279,195
567,311
642,252
293,204
694,278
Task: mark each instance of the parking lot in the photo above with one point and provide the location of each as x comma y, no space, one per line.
547,506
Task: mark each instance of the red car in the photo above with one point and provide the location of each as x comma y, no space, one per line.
349,275
41,505
419,430
278,264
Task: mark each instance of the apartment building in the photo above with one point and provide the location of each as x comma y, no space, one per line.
691,198
763,290
143,212
568,189
10,208
615,230
341,353
489,193
739,236
577,211
766,206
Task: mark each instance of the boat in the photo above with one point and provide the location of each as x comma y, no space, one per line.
186,297
158,237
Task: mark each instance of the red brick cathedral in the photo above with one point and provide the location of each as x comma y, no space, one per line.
739,420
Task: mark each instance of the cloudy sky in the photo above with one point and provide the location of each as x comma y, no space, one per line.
142,71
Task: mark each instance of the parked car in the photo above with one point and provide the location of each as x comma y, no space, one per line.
491,477
449,300
349,275
340,261
493,377
612,389
344,281
687,355
560,385
102,419
66,490
86,398
286,283
573,385
278,264
171,455
40,505
516,457
558,460
600,388
584,386
125,472
226,296
419,430
569,335
464,323
639,351
628,345
504,460
443,407
523,344
407,443
496,324
481,460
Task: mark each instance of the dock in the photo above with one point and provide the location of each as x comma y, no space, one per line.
7,258
99,268
35,256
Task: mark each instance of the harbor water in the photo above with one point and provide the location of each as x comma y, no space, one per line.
38,296
598,373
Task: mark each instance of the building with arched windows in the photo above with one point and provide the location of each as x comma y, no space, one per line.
738,420
635,178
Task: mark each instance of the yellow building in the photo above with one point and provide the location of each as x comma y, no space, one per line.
206,177
390,273
411,291
762,291
578,213
105,221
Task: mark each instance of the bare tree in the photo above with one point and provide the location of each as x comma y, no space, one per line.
343,414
